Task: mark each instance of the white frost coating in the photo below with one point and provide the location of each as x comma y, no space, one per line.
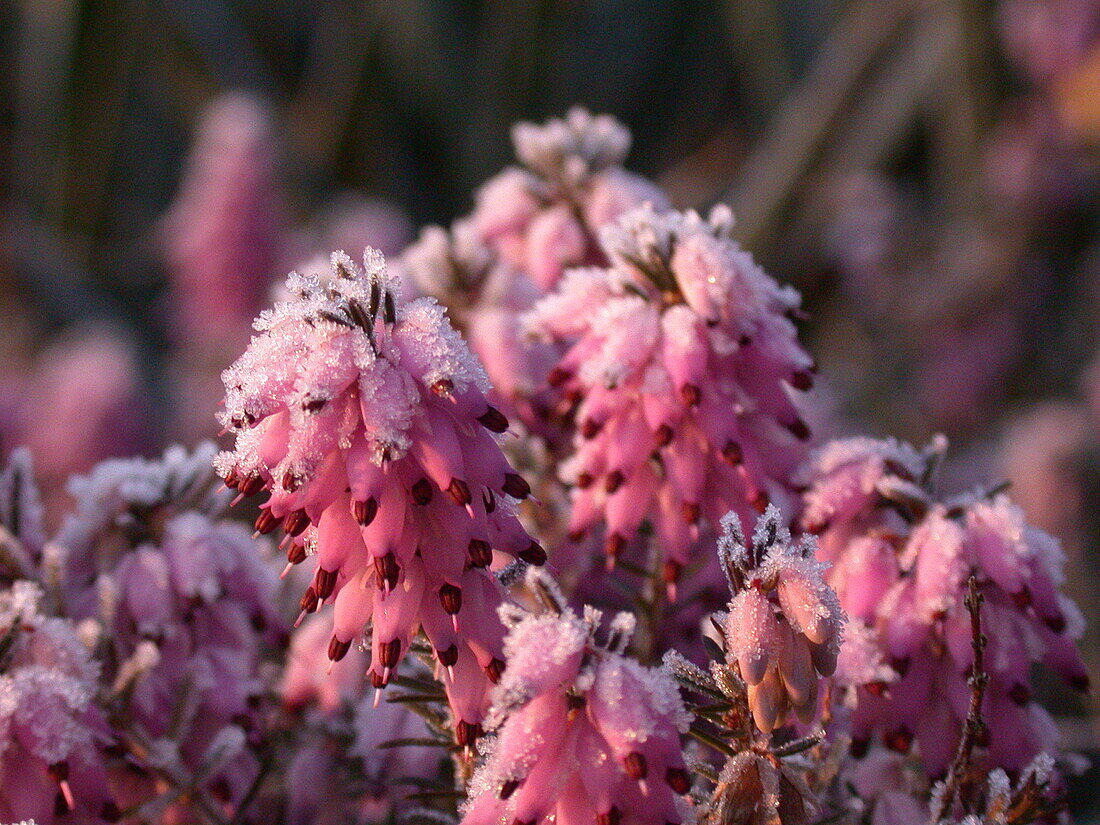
570,149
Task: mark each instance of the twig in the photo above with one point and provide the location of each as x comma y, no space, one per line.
974,726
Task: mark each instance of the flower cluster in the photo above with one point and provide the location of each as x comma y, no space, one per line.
901,563
784,623
51,732
686,370
186,608
543,216
582,733
365,419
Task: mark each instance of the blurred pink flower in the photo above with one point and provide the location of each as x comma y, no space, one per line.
901,561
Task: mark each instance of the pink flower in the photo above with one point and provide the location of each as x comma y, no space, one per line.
906,665
582,733
686,373
544,217
783,624
365,419
224,232
51,732
188,616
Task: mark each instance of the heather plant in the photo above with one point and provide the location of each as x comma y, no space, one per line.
876,670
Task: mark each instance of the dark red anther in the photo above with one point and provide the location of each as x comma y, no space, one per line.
387,570
422,492
231,478
662,436
493,420
614,545
590,428
516,486
899,740
326,583
876,688
584,480
337,650
613,817
494,670
389,652
799,429
489,500
295,523
266,522
802,380
576,536
690,394
450,597
466,733
291,482
459,491
534,554
671,571
309,601
901,664
508,788
690,511
481,553
732,454
296,553
614,481
635,765
558,376
760,501
859,748
364,511
251,484
678,780
443,387
448,657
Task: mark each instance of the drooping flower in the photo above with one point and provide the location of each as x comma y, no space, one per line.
187,612
686,372
544,216
365,419
51,731
582,732
783,625
901,561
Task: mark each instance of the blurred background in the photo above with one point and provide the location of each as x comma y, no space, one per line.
925,171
